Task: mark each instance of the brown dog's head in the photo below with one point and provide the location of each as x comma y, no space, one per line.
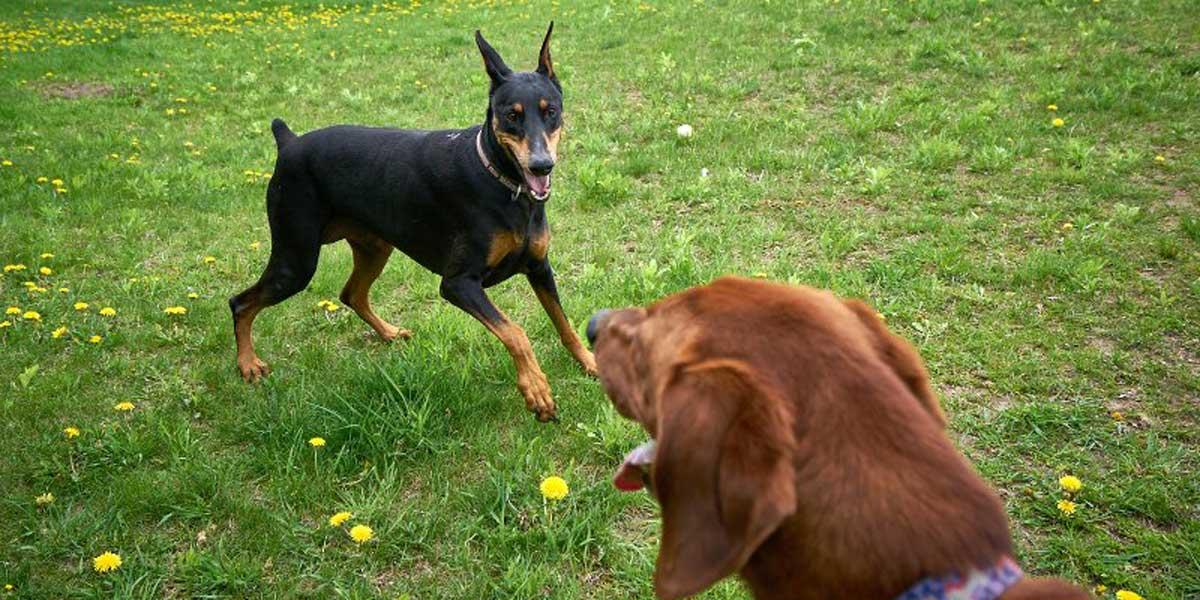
723,377
720,462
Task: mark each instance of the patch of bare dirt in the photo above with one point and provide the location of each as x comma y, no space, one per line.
75,90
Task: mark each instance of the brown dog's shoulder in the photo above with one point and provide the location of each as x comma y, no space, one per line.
901,356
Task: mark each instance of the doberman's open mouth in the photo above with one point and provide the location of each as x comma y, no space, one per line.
634,473
539,185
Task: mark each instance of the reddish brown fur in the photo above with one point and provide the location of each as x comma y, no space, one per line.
799,445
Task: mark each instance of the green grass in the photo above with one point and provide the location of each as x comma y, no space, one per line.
901,152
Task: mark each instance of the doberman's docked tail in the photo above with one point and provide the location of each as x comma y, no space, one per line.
283,135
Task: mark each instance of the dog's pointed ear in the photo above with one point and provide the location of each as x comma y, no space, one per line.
545,65
723,474
494,65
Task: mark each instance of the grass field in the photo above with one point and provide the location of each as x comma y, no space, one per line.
901,152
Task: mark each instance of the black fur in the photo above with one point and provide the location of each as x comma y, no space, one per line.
425,193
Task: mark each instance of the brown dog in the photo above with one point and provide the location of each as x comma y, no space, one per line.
798,444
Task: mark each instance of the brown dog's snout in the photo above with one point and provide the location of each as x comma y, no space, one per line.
594,324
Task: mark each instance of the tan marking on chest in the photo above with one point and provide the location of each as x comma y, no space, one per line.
503,243
539,244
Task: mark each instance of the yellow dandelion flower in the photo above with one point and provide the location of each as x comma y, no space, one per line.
4,324
108,311
31,315
554,488
1128,595
193,295
339,518
57,333
1070,484
81,306
60,190
106,562
71,432
47,256
175,310
56,182
1160,158
316,442
6,162
63,290
208,260
42,179
1058,122
1068,226
12,310
8,587
44,499
1051,107
331,307
1066,507
1117,416
170,112
123,406
255,245
47,271
16,267
361,533
1100,588
95,339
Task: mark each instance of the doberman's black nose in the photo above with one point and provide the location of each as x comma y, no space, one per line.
541,166
594,324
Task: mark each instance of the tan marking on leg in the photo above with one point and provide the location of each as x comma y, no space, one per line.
503,243
370,256
566,333
251,367
531,381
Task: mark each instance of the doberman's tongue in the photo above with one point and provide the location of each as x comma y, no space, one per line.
539,185
631,476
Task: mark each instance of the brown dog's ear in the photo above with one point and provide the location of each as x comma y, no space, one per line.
723,474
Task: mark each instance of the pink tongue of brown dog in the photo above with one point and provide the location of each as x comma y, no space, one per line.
630,477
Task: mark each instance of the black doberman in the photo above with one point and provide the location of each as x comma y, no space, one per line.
467,204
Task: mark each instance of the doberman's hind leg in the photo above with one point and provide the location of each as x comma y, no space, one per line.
467,294
283,277
370,256
295,247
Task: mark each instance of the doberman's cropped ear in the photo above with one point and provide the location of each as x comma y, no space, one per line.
723,474
545,66
496,69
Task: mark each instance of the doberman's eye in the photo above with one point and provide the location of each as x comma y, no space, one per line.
551,112
512,116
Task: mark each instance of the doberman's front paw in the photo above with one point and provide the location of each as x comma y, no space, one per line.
391,333
253,369
588,362
536,391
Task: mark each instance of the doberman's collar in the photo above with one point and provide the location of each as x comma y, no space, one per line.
517,189
982,584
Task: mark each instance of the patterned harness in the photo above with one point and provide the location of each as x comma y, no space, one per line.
985,584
